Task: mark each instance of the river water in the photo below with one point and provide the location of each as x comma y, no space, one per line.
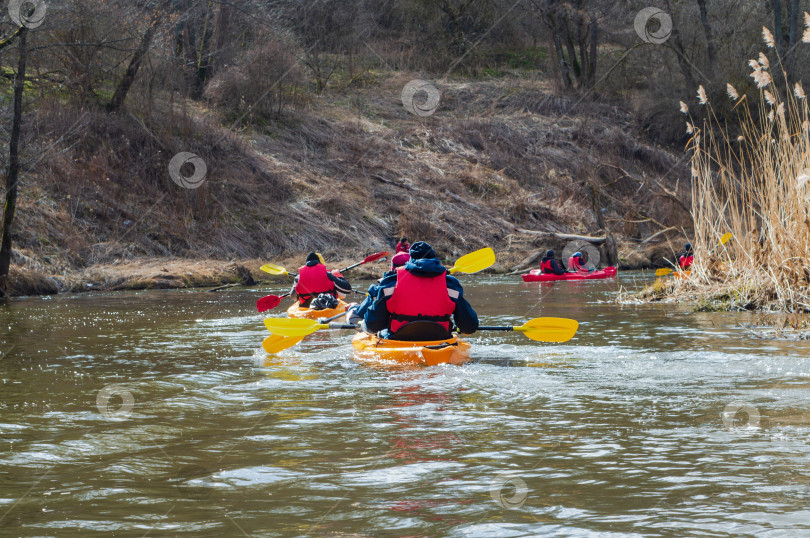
157,412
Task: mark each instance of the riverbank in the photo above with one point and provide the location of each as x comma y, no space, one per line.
351,172
34,276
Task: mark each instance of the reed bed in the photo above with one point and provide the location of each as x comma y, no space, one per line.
755,184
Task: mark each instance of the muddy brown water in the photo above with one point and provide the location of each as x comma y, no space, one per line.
157,413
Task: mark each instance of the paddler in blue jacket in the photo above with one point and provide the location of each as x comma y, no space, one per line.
422,290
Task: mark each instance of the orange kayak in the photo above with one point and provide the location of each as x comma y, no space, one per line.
295,311
370,348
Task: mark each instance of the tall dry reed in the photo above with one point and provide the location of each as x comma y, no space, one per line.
754,185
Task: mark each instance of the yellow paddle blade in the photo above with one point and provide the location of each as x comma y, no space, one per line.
549,329
275,342
320,258
474,261
664,271
274,269
293,326
726,237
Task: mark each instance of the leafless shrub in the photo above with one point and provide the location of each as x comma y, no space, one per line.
266,83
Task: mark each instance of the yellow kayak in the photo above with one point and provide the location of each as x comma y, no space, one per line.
368,347
295,311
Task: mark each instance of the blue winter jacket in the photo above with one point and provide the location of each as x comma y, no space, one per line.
372,293
378,318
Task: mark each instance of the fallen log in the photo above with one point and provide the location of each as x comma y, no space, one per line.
567,237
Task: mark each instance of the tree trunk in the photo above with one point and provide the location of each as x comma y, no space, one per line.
204,60
794,23
582,43
13,167
677,45
221,34
609,249
777,26
594,31
128,79
572,51
707,33
558,50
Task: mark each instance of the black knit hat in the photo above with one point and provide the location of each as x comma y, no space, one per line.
421,250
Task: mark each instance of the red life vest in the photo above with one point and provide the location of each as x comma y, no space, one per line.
403,247
686,261
545,266
313,281
574,265
420,298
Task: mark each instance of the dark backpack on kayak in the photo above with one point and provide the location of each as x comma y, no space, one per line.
324,301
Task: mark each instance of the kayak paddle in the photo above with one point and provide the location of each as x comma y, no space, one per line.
274,269
333,318
275,343
474,261
268,302
295,326
369,259
543,329
540,329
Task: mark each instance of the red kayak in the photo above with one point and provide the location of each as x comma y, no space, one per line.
537,276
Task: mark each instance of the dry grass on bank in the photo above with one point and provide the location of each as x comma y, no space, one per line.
756,186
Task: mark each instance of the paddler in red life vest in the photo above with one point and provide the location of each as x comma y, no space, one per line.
403,246
687,258
313,279
420,291
549,265
576,265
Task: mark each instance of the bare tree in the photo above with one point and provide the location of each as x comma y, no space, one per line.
707,34
128,79
12,176
574,28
